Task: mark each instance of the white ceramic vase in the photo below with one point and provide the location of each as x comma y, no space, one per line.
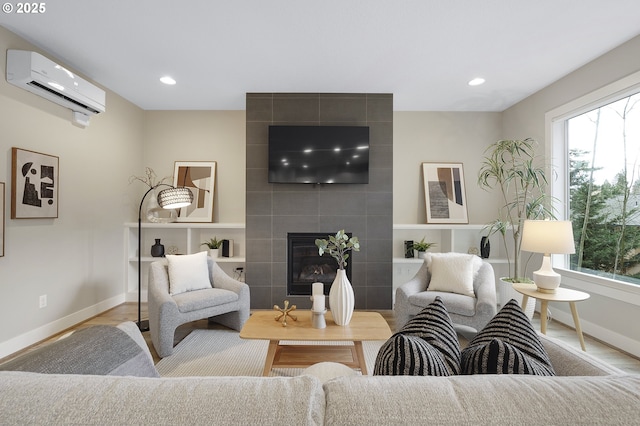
341,299
214,253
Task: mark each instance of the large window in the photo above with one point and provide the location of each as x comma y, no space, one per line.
603,180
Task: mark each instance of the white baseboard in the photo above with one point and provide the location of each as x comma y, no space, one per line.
132,296
46,331
607,336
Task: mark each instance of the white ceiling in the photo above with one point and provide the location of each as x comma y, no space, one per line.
422,51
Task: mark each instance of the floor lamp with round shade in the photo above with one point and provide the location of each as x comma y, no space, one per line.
170,198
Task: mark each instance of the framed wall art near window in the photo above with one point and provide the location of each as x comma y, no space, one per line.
444,193
200,178
1,219
34,185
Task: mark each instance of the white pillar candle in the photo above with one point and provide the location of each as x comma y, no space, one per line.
317,289
318,303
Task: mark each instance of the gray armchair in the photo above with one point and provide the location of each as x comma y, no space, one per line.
474,312
226,303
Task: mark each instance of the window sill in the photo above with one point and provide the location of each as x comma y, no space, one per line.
617,290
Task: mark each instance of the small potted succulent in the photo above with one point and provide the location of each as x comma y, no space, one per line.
214,245
421,247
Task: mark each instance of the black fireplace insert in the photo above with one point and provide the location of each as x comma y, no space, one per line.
305,266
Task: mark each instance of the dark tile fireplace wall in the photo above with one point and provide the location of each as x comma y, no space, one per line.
365,210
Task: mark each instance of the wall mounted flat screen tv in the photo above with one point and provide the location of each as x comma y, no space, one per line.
318,154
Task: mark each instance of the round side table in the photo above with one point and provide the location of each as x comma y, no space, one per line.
560,295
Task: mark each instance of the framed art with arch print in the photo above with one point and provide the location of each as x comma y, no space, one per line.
200,178
444,193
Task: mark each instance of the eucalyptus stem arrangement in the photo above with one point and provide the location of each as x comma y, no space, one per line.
338,246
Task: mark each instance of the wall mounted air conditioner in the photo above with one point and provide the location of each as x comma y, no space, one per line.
33,72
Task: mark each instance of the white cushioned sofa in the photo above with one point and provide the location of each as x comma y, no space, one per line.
585,391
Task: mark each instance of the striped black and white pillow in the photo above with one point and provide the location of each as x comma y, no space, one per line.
507,345
406,355
426,345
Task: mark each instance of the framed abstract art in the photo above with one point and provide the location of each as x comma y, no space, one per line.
34,185
444,193
200,178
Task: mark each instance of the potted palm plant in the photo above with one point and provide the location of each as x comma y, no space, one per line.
513,167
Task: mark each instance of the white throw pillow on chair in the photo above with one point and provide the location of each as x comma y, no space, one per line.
188,272
453,272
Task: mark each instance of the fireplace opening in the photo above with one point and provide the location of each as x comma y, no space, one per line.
305,266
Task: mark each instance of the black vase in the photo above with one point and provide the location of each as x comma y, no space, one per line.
157,250
485,247
408,249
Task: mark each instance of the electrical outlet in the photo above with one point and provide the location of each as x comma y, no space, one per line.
43,301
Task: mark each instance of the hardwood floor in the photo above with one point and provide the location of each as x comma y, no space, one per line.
129,312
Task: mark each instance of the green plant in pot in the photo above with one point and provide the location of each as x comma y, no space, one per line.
214,244
421,247
513,168
341,297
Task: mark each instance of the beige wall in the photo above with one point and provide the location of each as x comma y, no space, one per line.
76,260
457,137
219,136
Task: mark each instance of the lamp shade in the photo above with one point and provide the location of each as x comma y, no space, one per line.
548,236
175,198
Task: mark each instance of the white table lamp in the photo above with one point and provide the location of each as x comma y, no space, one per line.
547,237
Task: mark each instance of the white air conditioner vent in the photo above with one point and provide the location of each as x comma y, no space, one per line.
33,72
65,97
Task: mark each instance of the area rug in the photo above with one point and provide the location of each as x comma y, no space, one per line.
222,352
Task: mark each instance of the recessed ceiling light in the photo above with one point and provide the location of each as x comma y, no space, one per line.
476,81
167,80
